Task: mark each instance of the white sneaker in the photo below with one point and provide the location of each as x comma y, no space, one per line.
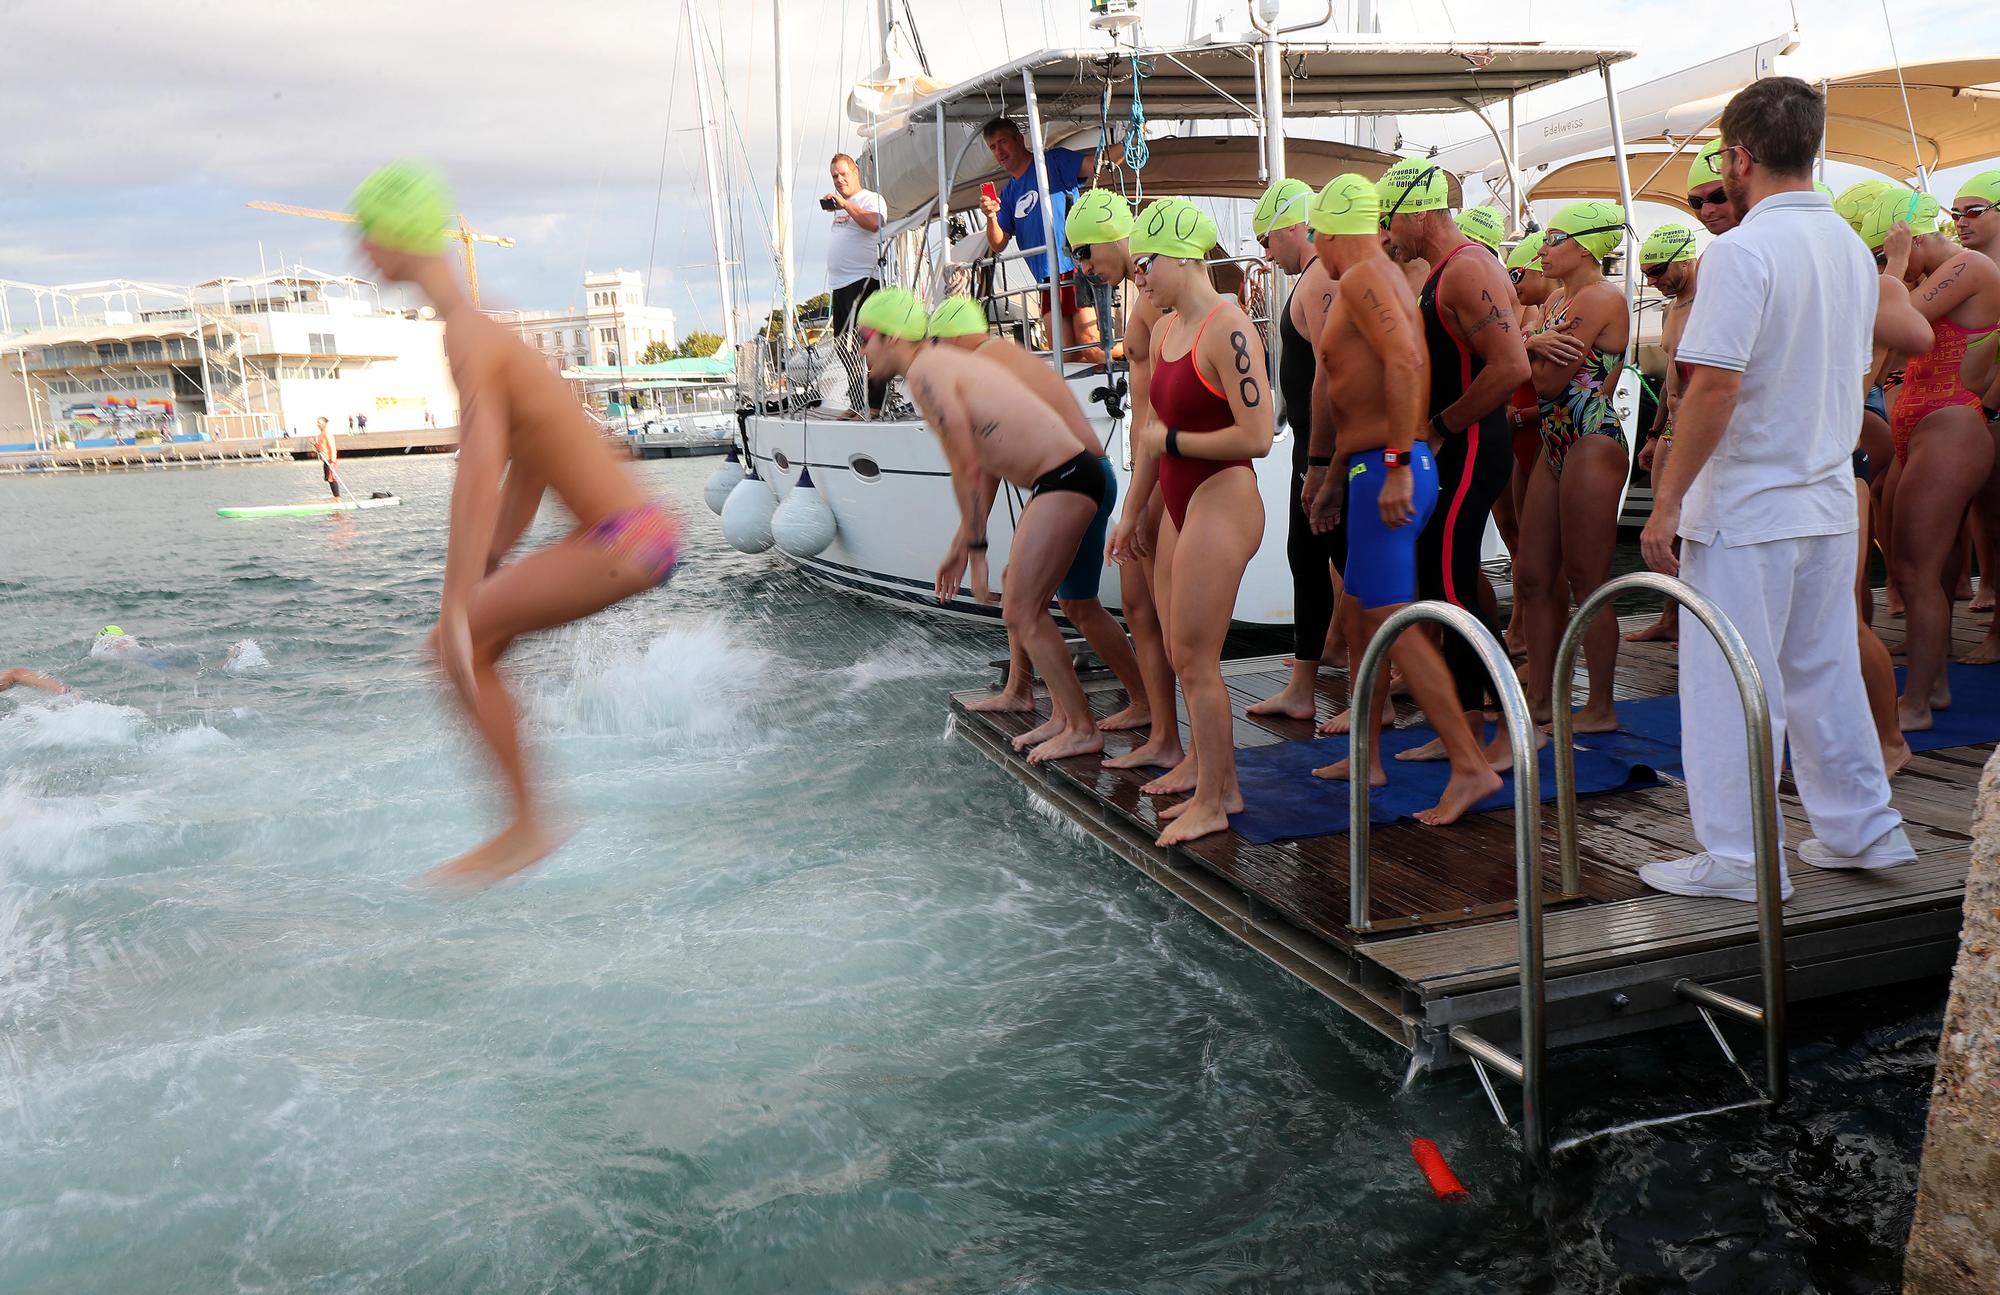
1889,850
1704,875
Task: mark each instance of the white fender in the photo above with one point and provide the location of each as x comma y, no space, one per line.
746,515
722,481
803,525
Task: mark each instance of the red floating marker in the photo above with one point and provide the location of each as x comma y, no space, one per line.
1436,1171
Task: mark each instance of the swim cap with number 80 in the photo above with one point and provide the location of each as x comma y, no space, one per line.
1174,227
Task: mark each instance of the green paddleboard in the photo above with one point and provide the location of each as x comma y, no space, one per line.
307,510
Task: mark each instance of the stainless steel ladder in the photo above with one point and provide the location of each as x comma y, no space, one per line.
1529,1068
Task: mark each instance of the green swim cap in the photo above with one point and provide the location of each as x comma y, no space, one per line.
1349,204
1668,244
1284,204
403,207
1596,225
1705,170
1484,225
1413,186
110,629
1098,216
1985,186
958,316
896,312
1854,202
1527,254
1174,227
1920,210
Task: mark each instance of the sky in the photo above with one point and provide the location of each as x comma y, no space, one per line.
134,141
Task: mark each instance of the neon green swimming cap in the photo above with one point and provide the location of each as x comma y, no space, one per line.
1919,210
1854,202
896,312
1527,254
109,629
1349,204
403,207
1098,216
1668,244
1596,225
1985,186
958,316
1484,225
1284,204
1174,227
1704,170
1412,186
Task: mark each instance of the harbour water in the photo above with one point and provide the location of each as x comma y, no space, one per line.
817,999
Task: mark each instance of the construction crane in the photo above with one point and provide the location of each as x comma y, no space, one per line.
464,234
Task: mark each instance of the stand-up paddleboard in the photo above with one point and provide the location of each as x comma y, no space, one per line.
308,510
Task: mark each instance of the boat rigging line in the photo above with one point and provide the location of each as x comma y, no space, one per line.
1909,118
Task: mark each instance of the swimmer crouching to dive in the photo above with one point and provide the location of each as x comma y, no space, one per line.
518,419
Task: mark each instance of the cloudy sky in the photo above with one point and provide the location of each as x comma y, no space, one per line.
134,139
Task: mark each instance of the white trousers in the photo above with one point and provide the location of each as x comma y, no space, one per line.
1793,603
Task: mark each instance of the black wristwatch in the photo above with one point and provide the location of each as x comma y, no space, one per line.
1174,441
975,546
1319,460
1437,425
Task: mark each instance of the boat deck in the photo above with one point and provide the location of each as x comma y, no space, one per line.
1442,951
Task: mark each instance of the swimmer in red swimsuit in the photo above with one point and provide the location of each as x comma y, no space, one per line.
518,418
1942,442
1212,414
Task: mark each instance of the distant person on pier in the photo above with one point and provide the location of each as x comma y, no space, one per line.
854,271
1760,490
519,419
1016,213
328,454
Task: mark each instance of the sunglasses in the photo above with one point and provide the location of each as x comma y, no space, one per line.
1653,271
1881,260
1971,212
1081,252
865,335
1557,237
1517,274
1697,202
1145,262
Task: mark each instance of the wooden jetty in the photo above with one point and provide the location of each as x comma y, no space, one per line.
1442,951
155,455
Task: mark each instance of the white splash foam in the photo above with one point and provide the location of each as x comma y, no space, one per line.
116,646
893,664
245,656
70,725
695,680
188,741
60,834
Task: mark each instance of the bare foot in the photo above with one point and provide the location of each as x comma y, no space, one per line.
1003,701
1337,772
1429,751
1896,758
1086,741
1912,717
1986,653
1040,733
1460,794
1500,751
1175,781
1984,600
1664,630
1198,819
521,845
1595,719
1137,715
1344,722
1293,701
1152,755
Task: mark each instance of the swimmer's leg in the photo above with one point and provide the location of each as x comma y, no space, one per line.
563,583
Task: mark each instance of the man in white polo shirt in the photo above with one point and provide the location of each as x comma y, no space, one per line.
1760,488
854,269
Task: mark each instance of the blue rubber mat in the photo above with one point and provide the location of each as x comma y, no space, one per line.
1283,800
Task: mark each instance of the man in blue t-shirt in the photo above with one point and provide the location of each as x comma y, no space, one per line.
1017,213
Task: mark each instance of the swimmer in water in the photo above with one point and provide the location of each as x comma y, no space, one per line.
519,421
23,677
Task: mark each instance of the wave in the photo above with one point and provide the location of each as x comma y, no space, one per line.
60,834
697,680
246,656
70,726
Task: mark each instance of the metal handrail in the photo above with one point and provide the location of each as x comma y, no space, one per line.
1763,802
1527,833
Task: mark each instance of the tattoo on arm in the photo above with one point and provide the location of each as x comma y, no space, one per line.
1247,385
987,428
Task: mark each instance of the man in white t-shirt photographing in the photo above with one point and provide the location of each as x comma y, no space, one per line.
1760,488
853,268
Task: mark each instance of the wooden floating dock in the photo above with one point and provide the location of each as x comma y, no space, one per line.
161,455
1444,945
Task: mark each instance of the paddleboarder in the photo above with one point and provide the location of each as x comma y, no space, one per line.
328,454
519,420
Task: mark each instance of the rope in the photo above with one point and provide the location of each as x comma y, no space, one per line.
1909,118
1136,151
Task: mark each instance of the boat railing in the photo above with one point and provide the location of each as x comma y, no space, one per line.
1769,864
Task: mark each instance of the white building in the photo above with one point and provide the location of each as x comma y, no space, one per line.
264,356
615,325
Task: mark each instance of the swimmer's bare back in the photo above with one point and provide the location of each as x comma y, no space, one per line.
1038,377
1014,435
508,391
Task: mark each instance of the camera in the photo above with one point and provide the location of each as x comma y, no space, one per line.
828,204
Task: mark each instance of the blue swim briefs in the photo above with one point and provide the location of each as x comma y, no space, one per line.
1381,568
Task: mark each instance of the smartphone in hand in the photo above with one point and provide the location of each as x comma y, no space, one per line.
828,204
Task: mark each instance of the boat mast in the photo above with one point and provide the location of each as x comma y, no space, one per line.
716,229
782,74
